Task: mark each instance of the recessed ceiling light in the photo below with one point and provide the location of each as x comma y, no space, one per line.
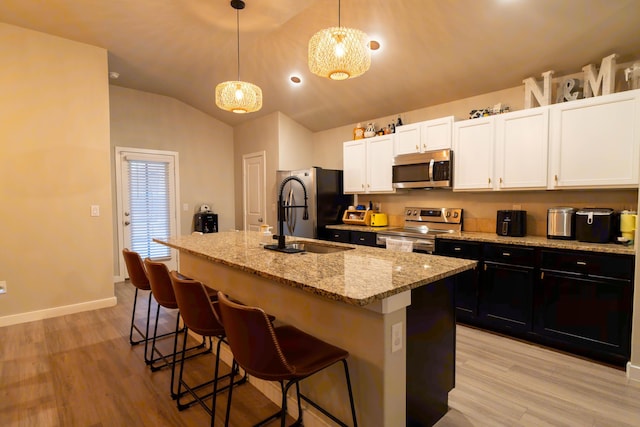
295,80
374,45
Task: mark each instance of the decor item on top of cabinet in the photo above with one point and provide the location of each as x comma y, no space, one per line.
632,76
358,131
566,90
399,121
485,112
370,131
606,79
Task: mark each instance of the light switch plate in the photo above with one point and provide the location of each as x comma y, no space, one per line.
3,287
95,210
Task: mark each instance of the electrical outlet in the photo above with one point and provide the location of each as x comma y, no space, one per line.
3,287
377,206
396,337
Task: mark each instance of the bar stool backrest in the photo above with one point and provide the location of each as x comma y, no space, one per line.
253,341
196,308
160,282
135,267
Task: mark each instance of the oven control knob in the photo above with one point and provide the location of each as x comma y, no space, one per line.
415,212
455,214
448,214
408,212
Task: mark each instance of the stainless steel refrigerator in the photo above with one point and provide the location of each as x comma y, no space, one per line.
325,199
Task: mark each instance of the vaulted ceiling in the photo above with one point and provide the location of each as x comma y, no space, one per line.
433,51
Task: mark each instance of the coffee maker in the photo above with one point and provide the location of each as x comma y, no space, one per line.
205,221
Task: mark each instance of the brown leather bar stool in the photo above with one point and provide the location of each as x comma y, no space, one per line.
162,291
197,311
284,354
138,278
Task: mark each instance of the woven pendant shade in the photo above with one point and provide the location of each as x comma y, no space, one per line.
238,97
339,53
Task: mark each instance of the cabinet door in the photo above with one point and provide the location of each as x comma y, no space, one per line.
465,283
379,164
522,140
363,238
506,296
473,154
407,139
436,134
589,312
354,166
342,236
594,142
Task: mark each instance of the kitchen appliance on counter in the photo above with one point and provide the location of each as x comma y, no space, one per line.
205,222
595,225
379,219
357,217
628,224
431,169
511,223
326,201
421,225
561,223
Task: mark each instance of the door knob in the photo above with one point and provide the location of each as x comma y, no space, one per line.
259,219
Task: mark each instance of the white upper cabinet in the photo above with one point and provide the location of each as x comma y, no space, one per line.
473,144
521,151
367,165
594,142
424,136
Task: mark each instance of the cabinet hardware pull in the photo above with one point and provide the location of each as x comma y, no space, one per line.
417,148
500,180
361,239
506,254
457,248
489,181
542,275
336,235
424,146
362,185
581,263
555,177
485,267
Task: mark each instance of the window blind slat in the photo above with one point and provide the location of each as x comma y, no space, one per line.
149,207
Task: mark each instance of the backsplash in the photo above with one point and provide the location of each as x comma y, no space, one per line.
479,209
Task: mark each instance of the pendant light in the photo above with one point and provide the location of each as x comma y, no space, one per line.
339,53
238,96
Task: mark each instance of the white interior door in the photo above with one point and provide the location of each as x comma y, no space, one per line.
255,204
147,203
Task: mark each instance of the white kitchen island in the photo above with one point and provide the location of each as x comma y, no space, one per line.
353,299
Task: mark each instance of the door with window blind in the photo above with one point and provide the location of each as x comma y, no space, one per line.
147,183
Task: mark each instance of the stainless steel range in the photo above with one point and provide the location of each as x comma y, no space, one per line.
421,225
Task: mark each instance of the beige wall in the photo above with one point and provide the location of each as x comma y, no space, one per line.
295,144
204,146
54,164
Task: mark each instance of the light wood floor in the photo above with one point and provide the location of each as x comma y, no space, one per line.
79,370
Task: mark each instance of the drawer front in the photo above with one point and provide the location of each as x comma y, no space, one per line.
509,254
603,265
458,249
342,236
363,238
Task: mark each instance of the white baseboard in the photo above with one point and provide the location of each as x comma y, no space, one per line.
633,372
48,313
312,417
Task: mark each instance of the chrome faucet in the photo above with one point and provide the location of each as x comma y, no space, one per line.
282,208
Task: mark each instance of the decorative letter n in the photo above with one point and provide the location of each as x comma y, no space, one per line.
531,88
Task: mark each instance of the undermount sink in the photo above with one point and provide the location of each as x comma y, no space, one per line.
312,247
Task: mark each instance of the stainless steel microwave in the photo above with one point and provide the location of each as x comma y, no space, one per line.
430,169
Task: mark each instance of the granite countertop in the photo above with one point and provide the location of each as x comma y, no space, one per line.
357,276
540,241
